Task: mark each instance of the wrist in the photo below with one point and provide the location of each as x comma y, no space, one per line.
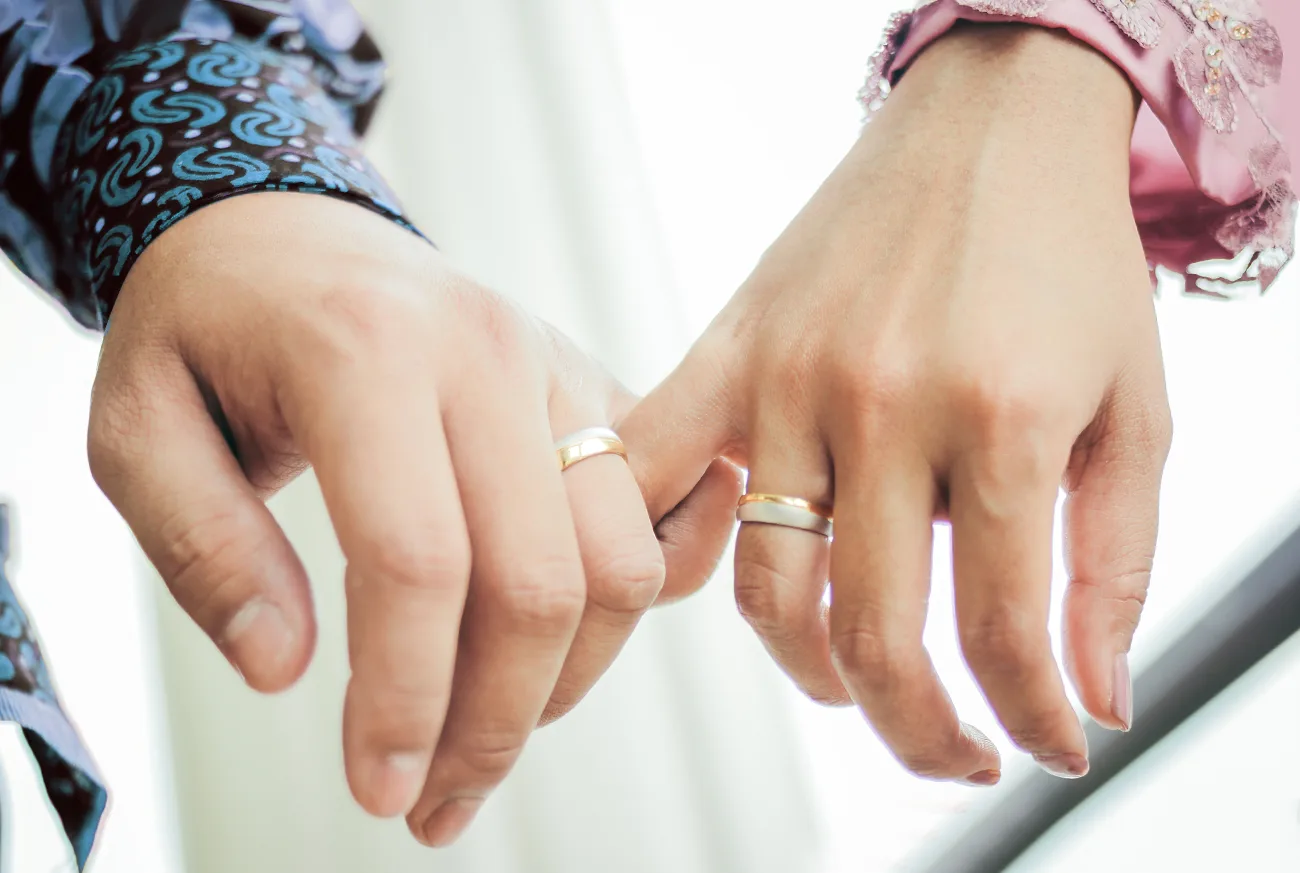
1013,95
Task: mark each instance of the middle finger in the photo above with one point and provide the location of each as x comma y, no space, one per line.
880,577
526,593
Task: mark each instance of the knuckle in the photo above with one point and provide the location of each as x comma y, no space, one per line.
1122,597
1127,604
628,580
1016,438
398,716
1002,409
207,558
550,594
1156,431
494,321
350,322
765,598
489,757
872,384
873,658
1003,641
116,418
416,562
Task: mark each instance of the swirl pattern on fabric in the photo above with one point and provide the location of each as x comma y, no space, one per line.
54,52
168,133
99,102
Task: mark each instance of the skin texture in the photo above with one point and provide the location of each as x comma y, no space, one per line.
958,325
486,591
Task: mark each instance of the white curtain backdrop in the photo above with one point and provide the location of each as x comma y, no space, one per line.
508,134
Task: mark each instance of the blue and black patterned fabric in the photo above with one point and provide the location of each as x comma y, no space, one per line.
55,56
27,697
179,124
117,119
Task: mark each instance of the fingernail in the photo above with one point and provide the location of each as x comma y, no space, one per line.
1067,766
449,821
984,777
257,639
1121,693
396,782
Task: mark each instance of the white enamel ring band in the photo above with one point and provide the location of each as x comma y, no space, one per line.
589,443
782,511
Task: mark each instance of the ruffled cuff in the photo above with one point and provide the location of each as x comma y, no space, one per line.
1211,178
176,125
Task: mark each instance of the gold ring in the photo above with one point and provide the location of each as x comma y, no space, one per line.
782,511
590,443
796,502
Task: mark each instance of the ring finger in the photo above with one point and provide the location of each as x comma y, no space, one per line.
782,572
621,558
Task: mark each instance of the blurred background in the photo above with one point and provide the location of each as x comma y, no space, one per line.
618,167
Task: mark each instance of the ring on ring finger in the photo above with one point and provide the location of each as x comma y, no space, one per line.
783,511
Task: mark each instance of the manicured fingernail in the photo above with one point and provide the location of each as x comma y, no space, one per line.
396,782
257,639
1121,693
984,777
449,821
1067,766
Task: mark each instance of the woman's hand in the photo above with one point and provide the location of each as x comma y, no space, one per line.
959,322
486,591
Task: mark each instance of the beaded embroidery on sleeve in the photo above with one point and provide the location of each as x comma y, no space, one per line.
1228,52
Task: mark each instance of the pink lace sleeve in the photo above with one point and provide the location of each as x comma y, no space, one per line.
1213,146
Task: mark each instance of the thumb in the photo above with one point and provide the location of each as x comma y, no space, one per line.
1111,517
675,438
161,460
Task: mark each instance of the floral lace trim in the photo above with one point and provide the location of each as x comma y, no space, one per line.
1229,49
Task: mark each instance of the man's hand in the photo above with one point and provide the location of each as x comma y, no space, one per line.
486,591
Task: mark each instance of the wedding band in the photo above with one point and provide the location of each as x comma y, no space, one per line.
782,511
589,443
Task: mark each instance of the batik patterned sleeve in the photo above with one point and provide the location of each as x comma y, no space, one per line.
118,118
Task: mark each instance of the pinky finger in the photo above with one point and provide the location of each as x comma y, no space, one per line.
695,534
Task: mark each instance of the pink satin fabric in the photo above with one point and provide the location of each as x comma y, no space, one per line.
1187,178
